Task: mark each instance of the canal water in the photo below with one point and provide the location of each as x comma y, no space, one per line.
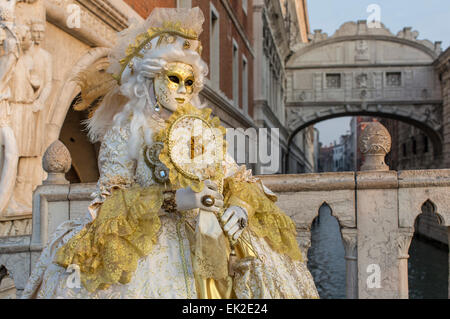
427,265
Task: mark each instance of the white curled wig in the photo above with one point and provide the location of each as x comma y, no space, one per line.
134,98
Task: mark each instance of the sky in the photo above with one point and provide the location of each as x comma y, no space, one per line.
431,18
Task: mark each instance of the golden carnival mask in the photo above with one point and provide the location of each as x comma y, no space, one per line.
175,85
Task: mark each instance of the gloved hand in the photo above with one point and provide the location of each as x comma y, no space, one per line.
235,219
187,199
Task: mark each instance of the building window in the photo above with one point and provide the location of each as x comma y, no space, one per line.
214,42
425,144
393,78
333,81
235,73
414,145
404,149
245,84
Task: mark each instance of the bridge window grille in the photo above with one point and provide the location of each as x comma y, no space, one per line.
333,81
394,78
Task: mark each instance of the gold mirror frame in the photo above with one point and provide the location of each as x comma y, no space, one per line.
218,143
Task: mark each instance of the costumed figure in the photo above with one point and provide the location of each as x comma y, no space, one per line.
173,215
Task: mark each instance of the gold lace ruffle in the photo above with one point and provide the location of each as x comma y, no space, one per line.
266,219
210,253
107,250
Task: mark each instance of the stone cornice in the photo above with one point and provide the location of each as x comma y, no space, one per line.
356,65
109,12
317,44
99,22
366,103
238,26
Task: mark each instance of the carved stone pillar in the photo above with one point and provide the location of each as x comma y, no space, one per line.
403,240
377,217
304,241
349,236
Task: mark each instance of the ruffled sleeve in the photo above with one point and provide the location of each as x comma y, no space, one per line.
117,169
107,250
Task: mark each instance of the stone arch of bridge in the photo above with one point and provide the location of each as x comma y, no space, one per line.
416,119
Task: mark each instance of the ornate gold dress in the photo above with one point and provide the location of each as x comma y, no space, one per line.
128,247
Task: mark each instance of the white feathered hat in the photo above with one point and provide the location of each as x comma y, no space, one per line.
164,27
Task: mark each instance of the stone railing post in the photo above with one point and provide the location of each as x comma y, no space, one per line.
404,238
377,217
56,162
50,200
349,236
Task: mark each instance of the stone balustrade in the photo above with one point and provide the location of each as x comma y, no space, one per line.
376,211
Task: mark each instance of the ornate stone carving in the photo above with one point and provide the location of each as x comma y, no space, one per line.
16,227
350,239
56,162
362,51
87,19
374,144
20,88
433,115
349,236
318,36
404,238
361,81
